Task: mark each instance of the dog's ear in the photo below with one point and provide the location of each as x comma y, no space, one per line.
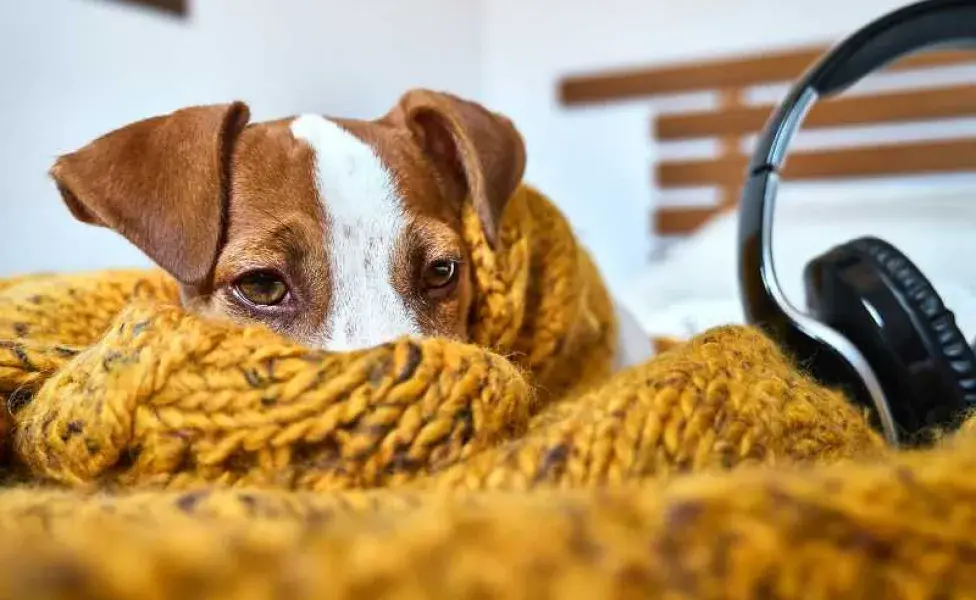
161,182
481,148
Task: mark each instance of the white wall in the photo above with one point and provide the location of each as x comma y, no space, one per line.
71,70
596,162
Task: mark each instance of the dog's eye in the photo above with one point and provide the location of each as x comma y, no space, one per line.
440,275
261,288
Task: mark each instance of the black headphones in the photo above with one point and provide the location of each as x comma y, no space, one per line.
876,327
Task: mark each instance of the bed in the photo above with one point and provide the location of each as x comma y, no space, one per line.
893,157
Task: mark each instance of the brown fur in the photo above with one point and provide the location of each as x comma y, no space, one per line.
210,200
160,182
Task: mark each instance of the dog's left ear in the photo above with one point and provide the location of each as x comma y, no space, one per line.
481,148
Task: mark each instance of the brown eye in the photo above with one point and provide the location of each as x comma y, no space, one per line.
439,275
261,288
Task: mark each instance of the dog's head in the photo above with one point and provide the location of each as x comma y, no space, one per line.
338,233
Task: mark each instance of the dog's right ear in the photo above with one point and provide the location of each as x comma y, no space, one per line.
162,183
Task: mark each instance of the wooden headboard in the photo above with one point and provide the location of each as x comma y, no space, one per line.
734,118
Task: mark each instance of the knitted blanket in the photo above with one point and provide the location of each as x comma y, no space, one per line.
150,453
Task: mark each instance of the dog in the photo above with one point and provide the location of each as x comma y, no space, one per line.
340,234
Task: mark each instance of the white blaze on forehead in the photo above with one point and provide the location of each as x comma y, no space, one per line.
366,217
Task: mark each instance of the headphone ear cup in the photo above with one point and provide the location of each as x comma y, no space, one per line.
879,300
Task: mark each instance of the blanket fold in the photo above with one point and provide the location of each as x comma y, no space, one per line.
152,453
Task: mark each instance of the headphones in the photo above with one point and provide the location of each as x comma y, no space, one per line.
876,328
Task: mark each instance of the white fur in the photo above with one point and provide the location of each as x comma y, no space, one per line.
366,217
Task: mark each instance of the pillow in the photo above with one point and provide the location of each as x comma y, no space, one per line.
686,319
936,230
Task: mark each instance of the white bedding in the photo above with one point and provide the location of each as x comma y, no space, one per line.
695,287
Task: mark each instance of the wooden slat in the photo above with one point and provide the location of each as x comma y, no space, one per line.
899,107
678,221
893,159
730,146
754,69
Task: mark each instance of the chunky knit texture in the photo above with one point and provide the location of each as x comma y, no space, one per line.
154,454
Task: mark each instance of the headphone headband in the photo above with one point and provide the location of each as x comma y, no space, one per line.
920,26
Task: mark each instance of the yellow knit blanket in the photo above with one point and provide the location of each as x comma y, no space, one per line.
153,454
